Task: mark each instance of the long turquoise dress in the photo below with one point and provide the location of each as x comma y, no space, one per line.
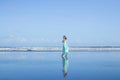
65,49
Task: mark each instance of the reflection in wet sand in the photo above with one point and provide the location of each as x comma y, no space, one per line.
65,65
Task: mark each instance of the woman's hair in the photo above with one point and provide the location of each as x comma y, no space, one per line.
65,37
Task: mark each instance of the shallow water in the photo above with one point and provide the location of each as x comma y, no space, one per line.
50,66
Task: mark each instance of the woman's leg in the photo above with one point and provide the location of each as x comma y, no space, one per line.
66,55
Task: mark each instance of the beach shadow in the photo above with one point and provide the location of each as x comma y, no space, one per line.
65,63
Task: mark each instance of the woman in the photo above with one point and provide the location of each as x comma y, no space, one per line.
65,47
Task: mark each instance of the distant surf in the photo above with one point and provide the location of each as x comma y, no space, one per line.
57,49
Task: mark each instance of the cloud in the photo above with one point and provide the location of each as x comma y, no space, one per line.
21,39
13,38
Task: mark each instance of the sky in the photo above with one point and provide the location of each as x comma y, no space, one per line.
44,22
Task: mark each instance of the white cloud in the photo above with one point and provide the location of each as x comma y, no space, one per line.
13,38
19,39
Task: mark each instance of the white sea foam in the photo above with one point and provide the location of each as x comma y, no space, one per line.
59,49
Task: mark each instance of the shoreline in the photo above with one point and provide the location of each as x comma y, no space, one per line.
45,49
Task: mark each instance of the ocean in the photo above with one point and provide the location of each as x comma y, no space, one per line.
95,65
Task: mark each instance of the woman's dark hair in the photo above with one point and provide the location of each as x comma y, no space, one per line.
65,37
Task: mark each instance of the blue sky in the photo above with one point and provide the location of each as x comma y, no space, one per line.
85,22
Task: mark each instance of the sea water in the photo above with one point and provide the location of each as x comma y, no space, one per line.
51,66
